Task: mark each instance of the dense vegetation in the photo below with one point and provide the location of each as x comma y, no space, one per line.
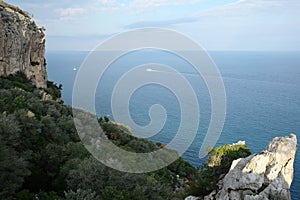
42,157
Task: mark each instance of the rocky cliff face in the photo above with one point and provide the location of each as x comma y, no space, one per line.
262,176
22,45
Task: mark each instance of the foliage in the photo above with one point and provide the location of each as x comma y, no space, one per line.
18,80
13,164
224,155
218,164
42,156
80,194
27,195
54,90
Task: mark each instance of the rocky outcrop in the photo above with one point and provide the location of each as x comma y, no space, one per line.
262,176
22,45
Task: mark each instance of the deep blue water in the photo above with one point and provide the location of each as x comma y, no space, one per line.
263,96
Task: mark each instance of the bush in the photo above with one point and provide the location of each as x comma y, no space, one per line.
218,164
42,156
81,194
53,90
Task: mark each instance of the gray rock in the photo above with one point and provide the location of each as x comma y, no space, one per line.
263,176
192,198
22,46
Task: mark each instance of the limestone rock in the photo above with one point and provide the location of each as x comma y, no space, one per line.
22,45
263,176
45,96
30,114
192,198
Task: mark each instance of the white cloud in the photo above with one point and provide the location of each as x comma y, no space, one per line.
254,7
253,24
70,13
142,5
106,6
244,24
107,2
138,6
239,10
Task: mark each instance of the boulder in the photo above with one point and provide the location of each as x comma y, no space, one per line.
262,176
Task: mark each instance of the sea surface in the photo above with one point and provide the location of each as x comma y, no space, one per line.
262,88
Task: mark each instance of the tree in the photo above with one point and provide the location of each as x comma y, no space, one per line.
80,194
41,155
13,170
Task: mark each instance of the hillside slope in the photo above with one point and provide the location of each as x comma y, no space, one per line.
41,153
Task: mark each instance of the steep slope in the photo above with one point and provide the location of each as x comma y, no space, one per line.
41,155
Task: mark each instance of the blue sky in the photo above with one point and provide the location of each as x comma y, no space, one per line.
214,24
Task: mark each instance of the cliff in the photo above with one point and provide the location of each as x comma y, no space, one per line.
22,45
262,176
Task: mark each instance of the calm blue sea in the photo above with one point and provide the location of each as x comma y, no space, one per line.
263,96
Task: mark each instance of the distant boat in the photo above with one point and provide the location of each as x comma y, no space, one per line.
149,70
74,69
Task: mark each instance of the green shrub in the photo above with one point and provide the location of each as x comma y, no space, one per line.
44,158
218,164
81,194
53,90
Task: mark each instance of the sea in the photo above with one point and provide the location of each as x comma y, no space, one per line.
262,95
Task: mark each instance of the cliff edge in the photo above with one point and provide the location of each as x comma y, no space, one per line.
22,45
267,175
262,176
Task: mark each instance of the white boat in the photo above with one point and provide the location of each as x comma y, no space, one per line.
149,70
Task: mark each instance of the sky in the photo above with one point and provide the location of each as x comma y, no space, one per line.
248,25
